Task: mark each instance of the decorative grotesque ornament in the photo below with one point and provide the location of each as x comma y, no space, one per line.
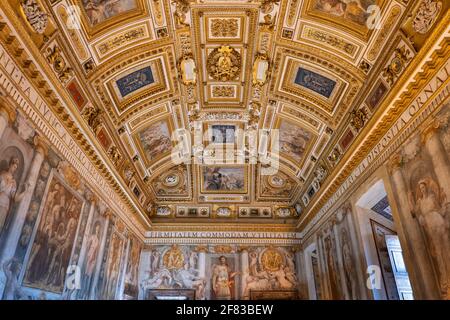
114,154
426,15
92,116
358,119
335,155
58,63
35,16
320,173
397,64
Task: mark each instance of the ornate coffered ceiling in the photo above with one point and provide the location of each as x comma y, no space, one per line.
166,88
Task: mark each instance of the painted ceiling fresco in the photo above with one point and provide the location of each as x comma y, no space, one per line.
174,90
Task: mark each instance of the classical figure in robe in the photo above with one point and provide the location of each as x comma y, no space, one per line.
222,279
93,248
349,270
332,269
8,190
46,242
112,271
430,208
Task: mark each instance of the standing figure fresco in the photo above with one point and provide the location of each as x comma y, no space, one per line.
222,280
428,208
8,190
131,275
90,260
113,267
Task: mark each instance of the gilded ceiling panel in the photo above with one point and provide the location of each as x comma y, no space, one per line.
135,72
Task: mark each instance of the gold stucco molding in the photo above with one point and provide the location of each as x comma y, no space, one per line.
380,123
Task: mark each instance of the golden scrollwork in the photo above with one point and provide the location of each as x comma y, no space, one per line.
41,144
397,64
224,28
114,155
181,10
223,249
70,175
430,130
92,116
58,63
358,118
223,91
7,110
395,162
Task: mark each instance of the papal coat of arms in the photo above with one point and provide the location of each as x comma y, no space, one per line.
224,64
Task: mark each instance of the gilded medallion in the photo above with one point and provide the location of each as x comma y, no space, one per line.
224,64
271,260
173,258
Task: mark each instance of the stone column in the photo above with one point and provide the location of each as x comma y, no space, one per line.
201,250
19,216
433,144
3,122
416,254
360,267
244,268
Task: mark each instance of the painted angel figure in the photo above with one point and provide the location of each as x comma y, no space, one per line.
429,206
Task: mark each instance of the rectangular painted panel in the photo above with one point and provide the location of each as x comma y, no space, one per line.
135,81
315,82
